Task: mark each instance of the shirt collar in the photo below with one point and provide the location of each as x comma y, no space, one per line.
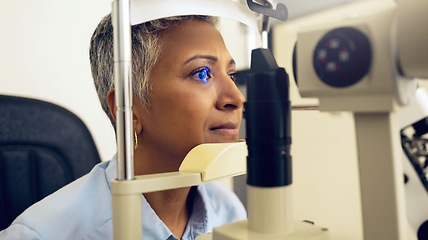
111,170
153,227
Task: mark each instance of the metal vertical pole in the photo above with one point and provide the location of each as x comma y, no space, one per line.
126,208
123,85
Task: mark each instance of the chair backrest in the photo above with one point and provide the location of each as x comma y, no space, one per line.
42,148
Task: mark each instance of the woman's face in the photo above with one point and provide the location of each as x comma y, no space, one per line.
194,98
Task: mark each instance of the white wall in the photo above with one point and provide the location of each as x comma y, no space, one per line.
44,54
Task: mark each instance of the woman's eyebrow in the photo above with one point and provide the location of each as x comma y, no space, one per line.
206,57
232,62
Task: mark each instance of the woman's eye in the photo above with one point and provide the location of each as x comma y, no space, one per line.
203,74
233,76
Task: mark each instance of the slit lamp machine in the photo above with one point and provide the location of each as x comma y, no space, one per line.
365,59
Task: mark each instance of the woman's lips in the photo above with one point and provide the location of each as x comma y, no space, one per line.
226,129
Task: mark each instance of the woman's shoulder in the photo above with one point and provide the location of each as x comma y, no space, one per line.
84,204
217,190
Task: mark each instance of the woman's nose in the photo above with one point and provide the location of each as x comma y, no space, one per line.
229,96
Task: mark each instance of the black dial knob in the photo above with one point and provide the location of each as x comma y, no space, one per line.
342,57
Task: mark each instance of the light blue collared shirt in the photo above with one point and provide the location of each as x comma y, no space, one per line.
82,210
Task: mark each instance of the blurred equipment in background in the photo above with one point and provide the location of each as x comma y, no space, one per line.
366,60
414,140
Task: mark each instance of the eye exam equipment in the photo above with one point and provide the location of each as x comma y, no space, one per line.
413,125
269,171
380,89
366,61
126,189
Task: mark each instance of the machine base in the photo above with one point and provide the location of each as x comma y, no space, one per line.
239,231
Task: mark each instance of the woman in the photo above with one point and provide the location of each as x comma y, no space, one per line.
184,95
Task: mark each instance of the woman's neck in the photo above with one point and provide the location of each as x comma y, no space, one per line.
171,207
150,160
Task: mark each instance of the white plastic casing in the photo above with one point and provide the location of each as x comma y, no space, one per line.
382,86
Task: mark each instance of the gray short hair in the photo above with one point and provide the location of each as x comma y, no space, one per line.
146,49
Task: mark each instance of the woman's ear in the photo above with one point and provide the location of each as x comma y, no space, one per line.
138,113
111,103
138,110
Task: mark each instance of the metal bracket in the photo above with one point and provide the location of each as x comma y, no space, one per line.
280,12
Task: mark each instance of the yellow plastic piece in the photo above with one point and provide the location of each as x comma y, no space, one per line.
155,182
216,160
126,210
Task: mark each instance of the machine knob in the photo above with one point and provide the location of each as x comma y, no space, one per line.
423,231
342,57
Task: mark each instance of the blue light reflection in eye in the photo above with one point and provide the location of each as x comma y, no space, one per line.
203,74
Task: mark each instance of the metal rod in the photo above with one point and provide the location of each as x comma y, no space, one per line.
265,39
123,89
265,25
305,107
